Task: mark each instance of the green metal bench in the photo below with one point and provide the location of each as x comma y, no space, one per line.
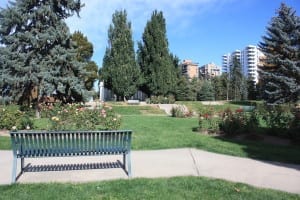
33,144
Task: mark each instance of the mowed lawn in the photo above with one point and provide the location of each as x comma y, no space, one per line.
161,132
160,188
154,130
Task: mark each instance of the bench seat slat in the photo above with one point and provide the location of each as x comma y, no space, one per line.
62,143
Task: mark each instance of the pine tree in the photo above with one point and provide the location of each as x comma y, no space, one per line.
219,83
154,58
252,89
236,80
120,71
84,54
39,54
207,92
280,75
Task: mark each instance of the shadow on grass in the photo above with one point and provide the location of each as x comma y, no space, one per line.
276,154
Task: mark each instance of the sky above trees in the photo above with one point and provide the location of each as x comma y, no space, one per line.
201,30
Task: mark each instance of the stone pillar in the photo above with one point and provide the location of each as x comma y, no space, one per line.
101,90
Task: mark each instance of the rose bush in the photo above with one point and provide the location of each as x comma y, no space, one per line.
11,117
78,117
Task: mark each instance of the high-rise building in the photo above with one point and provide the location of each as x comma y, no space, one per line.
250,59
190,69
227,60
250,62
225,63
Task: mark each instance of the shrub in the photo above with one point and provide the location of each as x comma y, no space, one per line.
238,122
77,117
181,111
11,118
208,120
178,111
161,100
209,124
279,119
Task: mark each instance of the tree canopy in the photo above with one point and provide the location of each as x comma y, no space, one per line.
38,51
84,54
120,71
157,64
280,75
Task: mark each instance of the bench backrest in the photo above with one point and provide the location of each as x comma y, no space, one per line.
69,143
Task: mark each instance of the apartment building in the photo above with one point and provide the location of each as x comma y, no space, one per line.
227,60
250,59
225,63
190,69
209,71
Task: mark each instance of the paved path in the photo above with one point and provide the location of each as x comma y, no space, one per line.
159,163
168,107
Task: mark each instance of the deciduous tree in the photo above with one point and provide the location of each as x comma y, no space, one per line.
84,54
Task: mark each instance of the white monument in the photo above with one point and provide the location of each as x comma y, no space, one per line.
101,91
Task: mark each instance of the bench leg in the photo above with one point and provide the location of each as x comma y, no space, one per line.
124,161
128,155
22,165
127,163
14,169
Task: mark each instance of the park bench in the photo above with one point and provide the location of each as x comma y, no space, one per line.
133,102
34,144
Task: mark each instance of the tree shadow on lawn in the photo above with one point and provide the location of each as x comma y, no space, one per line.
280,154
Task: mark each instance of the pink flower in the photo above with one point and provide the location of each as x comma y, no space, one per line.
239,110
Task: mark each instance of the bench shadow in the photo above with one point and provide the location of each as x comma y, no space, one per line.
70,167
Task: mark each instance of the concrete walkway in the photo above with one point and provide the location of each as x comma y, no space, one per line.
168,107
158,163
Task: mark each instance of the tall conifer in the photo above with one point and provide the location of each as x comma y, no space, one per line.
154,58
280,75
120,71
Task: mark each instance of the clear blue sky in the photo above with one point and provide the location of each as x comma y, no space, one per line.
201,30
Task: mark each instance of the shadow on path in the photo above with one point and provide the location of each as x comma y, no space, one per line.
70,167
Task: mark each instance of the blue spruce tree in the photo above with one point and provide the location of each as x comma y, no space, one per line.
39,53
280,75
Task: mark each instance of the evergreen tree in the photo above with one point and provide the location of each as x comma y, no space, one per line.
280,75
84,54
120,71
252,91
187,90
207,92
176,73
219,85
39,54
154,59
236,80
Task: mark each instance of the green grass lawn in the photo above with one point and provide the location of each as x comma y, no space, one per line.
5,143
137,110
153,130
161,132
160,188
198,106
